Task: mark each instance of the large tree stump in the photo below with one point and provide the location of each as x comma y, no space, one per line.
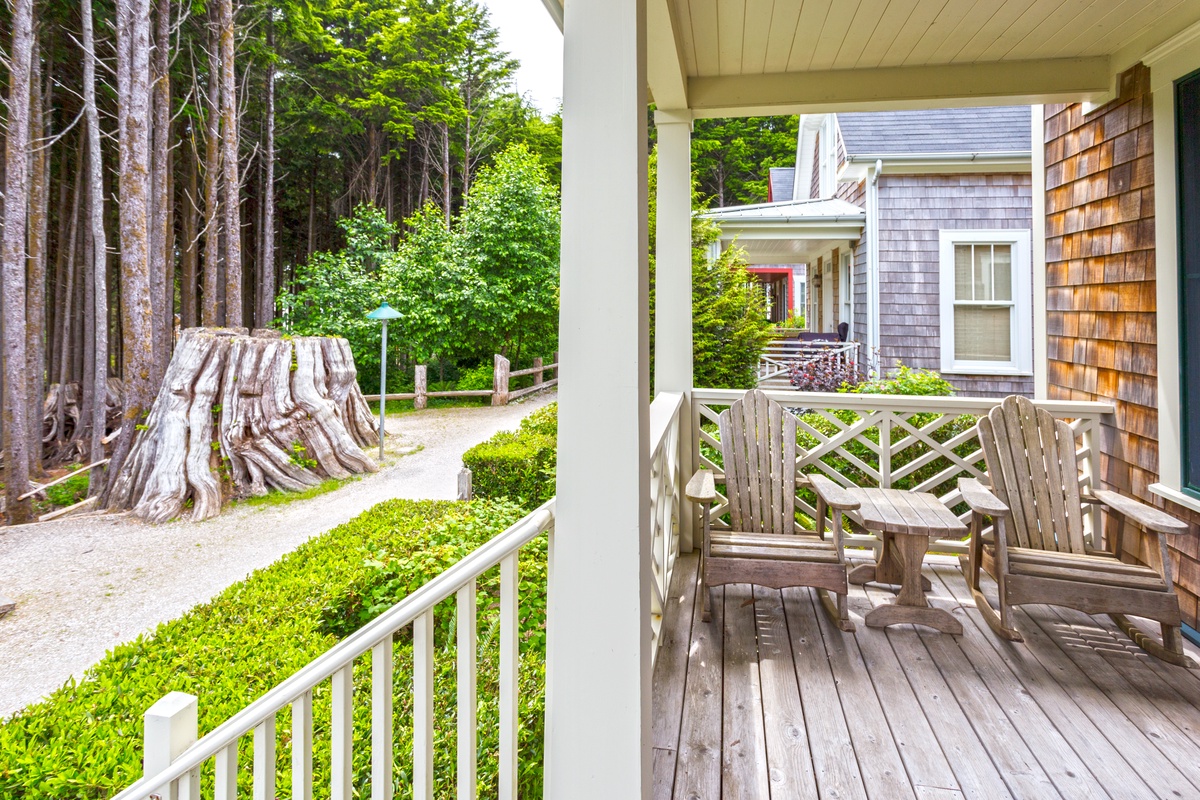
240,414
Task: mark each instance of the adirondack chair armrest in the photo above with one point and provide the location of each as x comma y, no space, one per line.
701,488
980,499
835,496
1141,514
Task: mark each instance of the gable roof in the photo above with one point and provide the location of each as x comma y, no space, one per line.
998,129
782,183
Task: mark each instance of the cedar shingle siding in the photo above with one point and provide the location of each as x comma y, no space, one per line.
912,209
1100,290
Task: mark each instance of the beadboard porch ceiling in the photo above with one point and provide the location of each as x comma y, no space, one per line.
737,57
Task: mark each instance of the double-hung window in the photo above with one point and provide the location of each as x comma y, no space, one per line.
986,302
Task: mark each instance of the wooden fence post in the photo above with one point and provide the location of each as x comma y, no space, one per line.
537,376
421,388
500,381
169,727
464,484
555,365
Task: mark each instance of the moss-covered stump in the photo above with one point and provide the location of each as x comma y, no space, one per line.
240,414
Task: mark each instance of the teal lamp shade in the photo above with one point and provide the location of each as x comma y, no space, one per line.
384,313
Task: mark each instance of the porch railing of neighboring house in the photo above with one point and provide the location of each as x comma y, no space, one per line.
889,441
178,776
173,769
501,392
780,355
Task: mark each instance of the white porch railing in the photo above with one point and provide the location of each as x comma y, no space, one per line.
890,441
780,355
178,777
665,495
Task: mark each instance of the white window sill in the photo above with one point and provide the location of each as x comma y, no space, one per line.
1175,496
970,371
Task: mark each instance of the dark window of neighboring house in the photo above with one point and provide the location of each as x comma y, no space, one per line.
1187,115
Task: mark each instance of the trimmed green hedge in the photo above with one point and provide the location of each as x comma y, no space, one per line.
519,465
84,741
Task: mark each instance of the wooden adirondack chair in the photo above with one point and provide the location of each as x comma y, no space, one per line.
758,445
1037,553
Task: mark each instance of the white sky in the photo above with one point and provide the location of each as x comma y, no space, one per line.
530,35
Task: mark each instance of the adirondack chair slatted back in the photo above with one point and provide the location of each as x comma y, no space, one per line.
758,445
1032,463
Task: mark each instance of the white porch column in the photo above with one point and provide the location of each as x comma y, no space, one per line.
598,663
673,285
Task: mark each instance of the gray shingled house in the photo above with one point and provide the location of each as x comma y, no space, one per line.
914,227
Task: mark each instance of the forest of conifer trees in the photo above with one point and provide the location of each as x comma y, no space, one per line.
167,164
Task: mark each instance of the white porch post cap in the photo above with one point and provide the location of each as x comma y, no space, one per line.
169,728
663,116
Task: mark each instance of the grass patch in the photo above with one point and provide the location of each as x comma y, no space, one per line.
276,497
84,740
397,407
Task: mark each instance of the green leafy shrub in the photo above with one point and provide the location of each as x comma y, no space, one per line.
70,491
905,380
84,740
477,379
519,465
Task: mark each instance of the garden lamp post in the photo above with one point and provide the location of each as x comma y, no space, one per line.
383,314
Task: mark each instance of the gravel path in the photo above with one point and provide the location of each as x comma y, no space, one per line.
87,584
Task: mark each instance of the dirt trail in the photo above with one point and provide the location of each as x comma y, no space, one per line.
84,585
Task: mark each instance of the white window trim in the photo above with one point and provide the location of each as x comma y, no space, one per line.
1168,63
1022,324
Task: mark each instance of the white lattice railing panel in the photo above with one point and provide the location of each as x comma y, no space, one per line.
665,497
915,443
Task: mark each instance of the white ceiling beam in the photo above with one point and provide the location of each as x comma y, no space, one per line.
888,88
665,72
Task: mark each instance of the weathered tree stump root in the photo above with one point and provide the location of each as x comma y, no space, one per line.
62,433
240,414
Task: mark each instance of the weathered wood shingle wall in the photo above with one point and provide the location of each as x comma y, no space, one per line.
1100,289
912,209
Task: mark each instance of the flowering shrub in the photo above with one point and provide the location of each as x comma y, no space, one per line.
824,372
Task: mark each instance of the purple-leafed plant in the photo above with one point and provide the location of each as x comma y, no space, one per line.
824,372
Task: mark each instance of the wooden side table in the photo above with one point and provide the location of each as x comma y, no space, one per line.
906,521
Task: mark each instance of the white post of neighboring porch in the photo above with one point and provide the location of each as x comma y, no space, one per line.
598,659
673,286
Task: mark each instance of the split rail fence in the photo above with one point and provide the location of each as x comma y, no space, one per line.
501,393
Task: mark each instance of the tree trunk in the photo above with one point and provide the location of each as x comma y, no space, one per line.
447,188
229,164
159,198
133,115
191,254
12,268
210,310
99,251
238,415
266,286
35,288
67,312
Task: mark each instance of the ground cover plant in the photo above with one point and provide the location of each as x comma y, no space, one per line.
84,741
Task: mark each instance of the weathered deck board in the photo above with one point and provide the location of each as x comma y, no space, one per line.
1086,739
1075,711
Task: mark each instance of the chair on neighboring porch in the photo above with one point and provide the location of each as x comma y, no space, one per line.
758,447
1037,552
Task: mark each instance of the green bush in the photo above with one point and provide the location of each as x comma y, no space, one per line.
477,378
70,491
519,465
905,380
84,740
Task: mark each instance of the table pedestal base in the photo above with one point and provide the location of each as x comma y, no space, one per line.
900,564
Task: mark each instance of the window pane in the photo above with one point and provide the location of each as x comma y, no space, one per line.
983,272
1002,267
982,334
962,272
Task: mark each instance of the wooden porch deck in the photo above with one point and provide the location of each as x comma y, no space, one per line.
770,700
